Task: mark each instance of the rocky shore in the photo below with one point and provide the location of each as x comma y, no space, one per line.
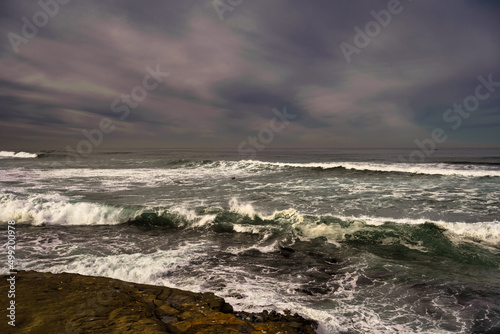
70,303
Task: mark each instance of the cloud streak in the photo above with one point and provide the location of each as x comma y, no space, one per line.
227,76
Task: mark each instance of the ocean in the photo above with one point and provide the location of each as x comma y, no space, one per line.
359,240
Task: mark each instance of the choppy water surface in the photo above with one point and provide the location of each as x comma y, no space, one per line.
357,240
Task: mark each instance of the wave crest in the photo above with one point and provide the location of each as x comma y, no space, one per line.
54,209
421,168
12,154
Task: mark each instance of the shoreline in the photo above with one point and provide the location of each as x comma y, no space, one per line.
73,303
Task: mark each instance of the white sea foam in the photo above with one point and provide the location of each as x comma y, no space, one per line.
260,247
11,154
153,268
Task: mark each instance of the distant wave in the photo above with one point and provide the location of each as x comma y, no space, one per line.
424,169
54,209
11,154
474,163
440,169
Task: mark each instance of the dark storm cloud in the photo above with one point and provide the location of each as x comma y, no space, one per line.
247,100
227,76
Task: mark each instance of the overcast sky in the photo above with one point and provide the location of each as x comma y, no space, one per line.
230,66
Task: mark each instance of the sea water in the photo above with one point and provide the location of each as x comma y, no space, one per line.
360,240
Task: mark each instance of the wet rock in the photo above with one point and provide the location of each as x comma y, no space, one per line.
363,280
312,291
168,319
287,251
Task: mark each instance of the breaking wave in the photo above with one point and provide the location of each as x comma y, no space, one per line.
55,209
439,169
424,169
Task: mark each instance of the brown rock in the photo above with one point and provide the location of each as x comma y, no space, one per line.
69,303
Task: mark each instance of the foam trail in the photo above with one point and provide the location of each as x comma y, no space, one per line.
11,154
136,267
